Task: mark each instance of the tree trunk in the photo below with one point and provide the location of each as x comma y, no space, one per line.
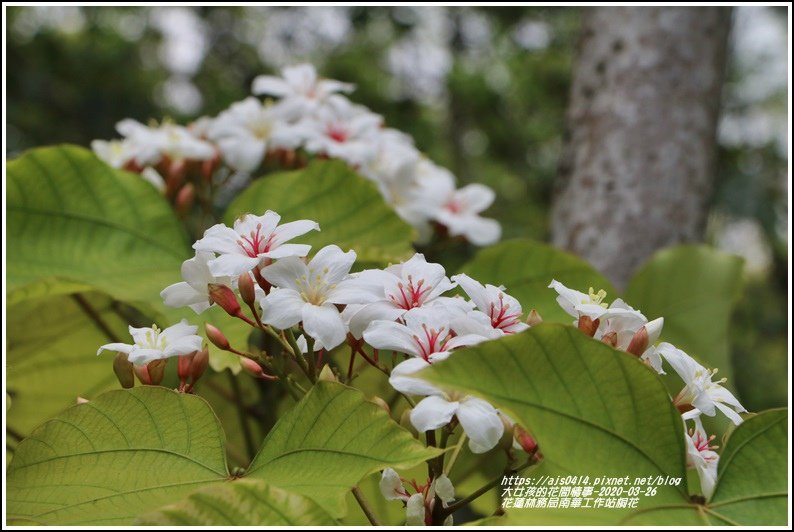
637,168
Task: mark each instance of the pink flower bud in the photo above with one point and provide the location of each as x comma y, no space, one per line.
261,281
199,365
588,325
610,338
254,369
525,440
246,286
534,318
224,297
143,374
208,166
122,367
184,199
217,338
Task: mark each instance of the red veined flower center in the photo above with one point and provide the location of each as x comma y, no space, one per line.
255,243
501,318
411,295
433,341
337,133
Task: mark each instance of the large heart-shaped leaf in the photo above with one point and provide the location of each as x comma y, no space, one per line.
332,439
52,360
526,268
350,210
594,410
245,502
111,459
694,288
71,217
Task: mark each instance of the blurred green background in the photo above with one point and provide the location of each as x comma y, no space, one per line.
482,90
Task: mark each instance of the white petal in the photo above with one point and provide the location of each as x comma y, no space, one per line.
270,85
332,262
282,308
388,335
402,381
119,347
179,330
474,290
232,265
415,510
432,413
288,250
353,291
444,489
288,231
729,413
219,239
324,324
381,310
286,272
141,357
481,424
183,346
182,295
391,487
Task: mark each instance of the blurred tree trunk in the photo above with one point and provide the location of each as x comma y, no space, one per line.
637,168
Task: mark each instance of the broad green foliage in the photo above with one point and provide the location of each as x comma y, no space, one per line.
694,288
120,455
526,268
593,410
752,487
245,502
350,210
329,442
52,358
74,218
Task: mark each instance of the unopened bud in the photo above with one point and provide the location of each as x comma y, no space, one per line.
405,422
157,370
684,407
525,440
254,369
208,166
381,403
183,366
610,338
639,342
81,400
261,281
143,374
122,367
217,338
534,318
588,325
246,286
174,176
224,297
133,166
199,365
184,198
327,374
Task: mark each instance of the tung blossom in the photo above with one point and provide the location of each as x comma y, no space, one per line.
503,311
309,293
579,304
253,241
300,88
419,506
342,130
151,343
702,457
703,394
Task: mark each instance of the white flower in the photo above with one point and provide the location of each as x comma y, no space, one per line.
503,311
399,288
253,240
116,153
458,210
579,304
153,344
425,332
150,144
299,87
248,129
309,293
701,457
153,176
419,506
343,131
192,292
699,390
478,418
621,319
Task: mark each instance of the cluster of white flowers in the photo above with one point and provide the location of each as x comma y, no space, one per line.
310,114
628,329
419,505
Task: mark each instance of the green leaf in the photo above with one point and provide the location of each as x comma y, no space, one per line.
593,410
52,359
243,502
752,483
350,210
331,440
73,218
111,459
694,288
526,268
